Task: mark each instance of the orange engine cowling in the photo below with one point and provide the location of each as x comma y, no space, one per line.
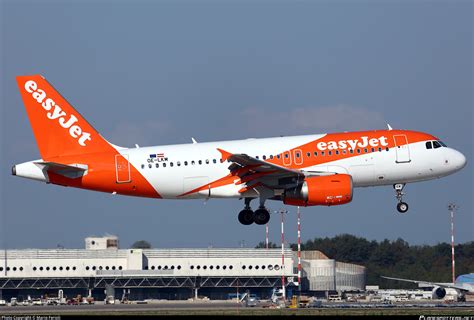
330,190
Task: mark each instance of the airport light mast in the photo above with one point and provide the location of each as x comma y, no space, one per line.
266,236
452,207
282,212
299,251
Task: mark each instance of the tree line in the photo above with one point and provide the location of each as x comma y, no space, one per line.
394,258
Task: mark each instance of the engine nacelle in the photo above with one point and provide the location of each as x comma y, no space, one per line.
438,293
329,190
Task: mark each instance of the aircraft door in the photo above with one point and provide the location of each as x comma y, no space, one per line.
402,149
298,157
122,169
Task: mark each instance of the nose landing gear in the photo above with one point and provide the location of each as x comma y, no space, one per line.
402,207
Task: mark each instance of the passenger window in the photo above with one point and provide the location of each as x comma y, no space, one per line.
143,166
365,150
337,151
157,165
256,157
436,145
178,164
329,153
207,161
344,151
315,154
297,155
171,164
429,145
200,161
264,157
386,149
192,162
164,165
322,153
278,156
149,165
185,163
373,149
308,154
271,156
380,149
358,150
286,155
351,151
214,160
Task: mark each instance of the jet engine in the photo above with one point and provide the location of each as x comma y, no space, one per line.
331,190
438,293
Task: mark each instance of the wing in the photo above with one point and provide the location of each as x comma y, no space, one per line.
70,171
256,173
434,284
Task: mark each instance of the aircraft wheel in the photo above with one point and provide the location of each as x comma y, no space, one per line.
246,217
402,207
262,216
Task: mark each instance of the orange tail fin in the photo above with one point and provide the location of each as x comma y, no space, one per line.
58,128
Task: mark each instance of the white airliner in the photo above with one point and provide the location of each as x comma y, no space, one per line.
319,169
463,284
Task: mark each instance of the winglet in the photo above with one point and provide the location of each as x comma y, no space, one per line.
389,127
225,155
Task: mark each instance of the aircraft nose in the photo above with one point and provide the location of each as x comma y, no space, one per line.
458,160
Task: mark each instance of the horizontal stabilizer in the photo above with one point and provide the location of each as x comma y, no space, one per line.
67,170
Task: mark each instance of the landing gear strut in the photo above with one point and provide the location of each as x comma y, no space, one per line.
247,216
402,207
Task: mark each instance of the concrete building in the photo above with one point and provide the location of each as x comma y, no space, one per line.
324,274
167,273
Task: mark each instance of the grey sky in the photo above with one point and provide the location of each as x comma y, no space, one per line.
161,72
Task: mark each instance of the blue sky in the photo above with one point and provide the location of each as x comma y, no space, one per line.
161,72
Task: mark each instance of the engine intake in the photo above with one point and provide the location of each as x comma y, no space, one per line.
439,293
329,190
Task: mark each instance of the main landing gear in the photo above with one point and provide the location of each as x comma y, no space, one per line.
247,216
402,207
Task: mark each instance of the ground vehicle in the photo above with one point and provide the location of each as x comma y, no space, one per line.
252,300
334,297
3,303
13,302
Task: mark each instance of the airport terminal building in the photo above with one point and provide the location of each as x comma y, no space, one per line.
168,273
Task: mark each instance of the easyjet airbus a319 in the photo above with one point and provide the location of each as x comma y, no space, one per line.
310,170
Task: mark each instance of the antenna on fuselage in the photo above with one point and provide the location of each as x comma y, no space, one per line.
194,140
389,126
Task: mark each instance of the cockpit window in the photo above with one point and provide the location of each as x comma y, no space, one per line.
436,144
429,145
442,143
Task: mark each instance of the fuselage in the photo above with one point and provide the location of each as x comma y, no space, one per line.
199,170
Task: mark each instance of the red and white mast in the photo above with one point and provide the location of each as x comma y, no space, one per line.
283,254
452,207
266,236
299,250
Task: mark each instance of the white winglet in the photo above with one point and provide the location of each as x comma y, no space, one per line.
389,127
